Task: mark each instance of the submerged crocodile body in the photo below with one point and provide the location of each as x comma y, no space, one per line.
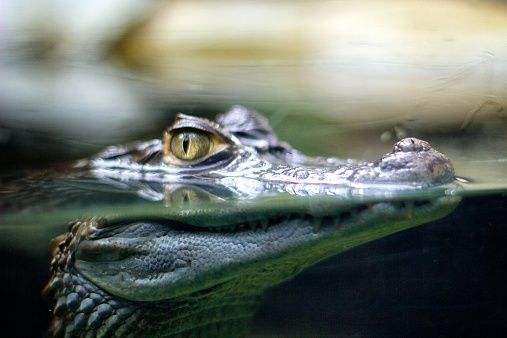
200,271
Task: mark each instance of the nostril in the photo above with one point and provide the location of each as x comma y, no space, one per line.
411,144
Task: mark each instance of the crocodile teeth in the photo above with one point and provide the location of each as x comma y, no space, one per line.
327,221
409,207
336,220
264,224
316,224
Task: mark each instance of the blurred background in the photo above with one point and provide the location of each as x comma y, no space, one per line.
343,78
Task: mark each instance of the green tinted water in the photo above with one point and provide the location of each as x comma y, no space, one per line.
32,215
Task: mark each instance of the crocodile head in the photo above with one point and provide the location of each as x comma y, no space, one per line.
240,144
246,212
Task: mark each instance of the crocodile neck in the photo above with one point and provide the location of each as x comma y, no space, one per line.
83,310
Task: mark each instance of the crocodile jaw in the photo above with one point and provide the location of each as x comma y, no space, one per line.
178,260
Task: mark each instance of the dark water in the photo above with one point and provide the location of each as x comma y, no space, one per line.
443,279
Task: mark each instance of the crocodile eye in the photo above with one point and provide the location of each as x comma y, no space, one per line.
190,145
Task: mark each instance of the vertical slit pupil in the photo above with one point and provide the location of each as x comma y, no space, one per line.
186,143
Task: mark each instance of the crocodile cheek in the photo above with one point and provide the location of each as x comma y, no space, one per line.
135,269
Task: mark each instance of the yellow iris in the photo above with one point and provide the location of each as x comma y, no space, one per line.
190,145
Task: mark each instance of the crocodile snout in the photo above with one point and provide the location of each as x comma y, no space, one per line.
415,161
411,161
411,144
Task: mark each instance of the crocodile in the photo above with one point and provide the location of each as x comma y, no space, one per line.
248,212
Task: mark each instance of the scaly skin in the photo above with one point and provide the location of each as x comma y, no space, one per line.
201,271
